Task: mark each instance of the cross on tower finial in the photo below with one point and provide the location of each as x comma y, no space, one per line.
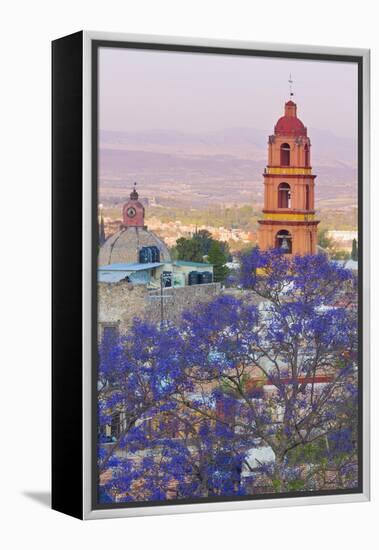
290,82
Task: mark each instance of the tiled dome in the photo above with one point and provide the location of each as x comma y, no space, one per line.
124,246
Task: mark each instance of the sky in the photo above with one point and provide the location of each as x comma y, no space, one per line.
149,90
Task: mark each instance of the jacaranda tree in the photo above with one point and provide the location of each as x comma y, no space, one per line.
254,391
137,375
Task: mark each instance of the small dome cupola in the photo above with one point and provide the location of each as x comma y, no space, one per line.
290,108
289,124
133,212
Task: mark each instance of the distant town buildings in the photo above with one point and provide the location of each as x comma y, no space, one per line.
343,237
171,231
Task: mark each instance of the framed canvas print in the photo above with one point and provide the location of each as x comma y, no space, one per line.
210,275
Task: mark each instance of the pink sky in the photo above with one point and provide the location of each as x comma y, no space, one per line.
145,90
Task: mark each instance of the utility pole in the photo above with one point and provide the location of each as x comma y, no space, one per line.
161,278
161,296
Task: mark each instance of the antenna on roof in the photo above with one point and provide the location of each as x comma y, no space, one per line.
290,82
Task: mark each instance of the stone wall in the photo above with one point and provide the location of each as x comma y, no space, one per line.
120,302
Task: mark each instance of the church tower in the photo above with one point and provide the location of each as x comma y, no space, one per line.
288,213
133,212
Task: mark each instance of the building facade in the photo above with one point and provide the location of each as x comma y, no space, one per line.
288,219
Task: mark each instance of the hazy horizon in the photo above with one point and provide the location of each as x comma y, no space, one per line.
190,92
196,124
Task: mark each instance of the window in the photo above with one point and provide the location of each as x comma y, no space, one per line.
306,155
284,196
284,154
110,332
115,426
284,241
149,254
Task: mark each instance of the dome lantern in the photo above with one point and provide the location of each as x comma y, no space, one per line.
290,124
134,194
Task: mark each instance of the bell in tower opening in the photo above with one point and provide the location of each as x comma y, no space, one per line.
289,222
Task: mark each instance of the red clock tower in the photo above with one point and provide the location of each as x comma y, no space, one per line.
133,212
288,214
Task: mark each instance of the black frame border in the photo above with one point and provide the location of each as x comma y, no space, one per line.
67,345
231,51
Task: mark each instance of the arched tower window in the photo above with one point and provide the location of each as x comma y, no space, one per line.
284,196
284,154
306,155
284,241
307,197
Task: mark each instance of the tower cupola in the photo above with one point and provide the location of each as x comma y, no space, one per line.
289,124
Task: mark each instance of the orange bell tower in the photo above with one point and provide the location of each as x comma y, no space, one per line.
288,213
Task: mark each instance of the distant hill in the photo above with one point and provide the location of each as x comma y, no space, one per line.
222,166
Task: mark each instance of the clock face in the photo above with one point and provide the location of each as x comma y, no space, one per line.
131,212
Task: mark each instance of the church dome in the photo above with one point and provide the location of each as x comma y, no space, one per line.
289,124
124,246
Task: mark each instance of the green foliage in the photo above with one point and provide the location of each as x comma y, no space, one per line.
340,255
331,246
277,484
174,253
189,250
226,250
218,259
323,239
244,217
203,245
309,453
296,485
205,239
354,250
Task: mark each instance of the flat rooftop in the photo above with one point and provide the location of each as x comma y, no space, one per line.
130,267
191,264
